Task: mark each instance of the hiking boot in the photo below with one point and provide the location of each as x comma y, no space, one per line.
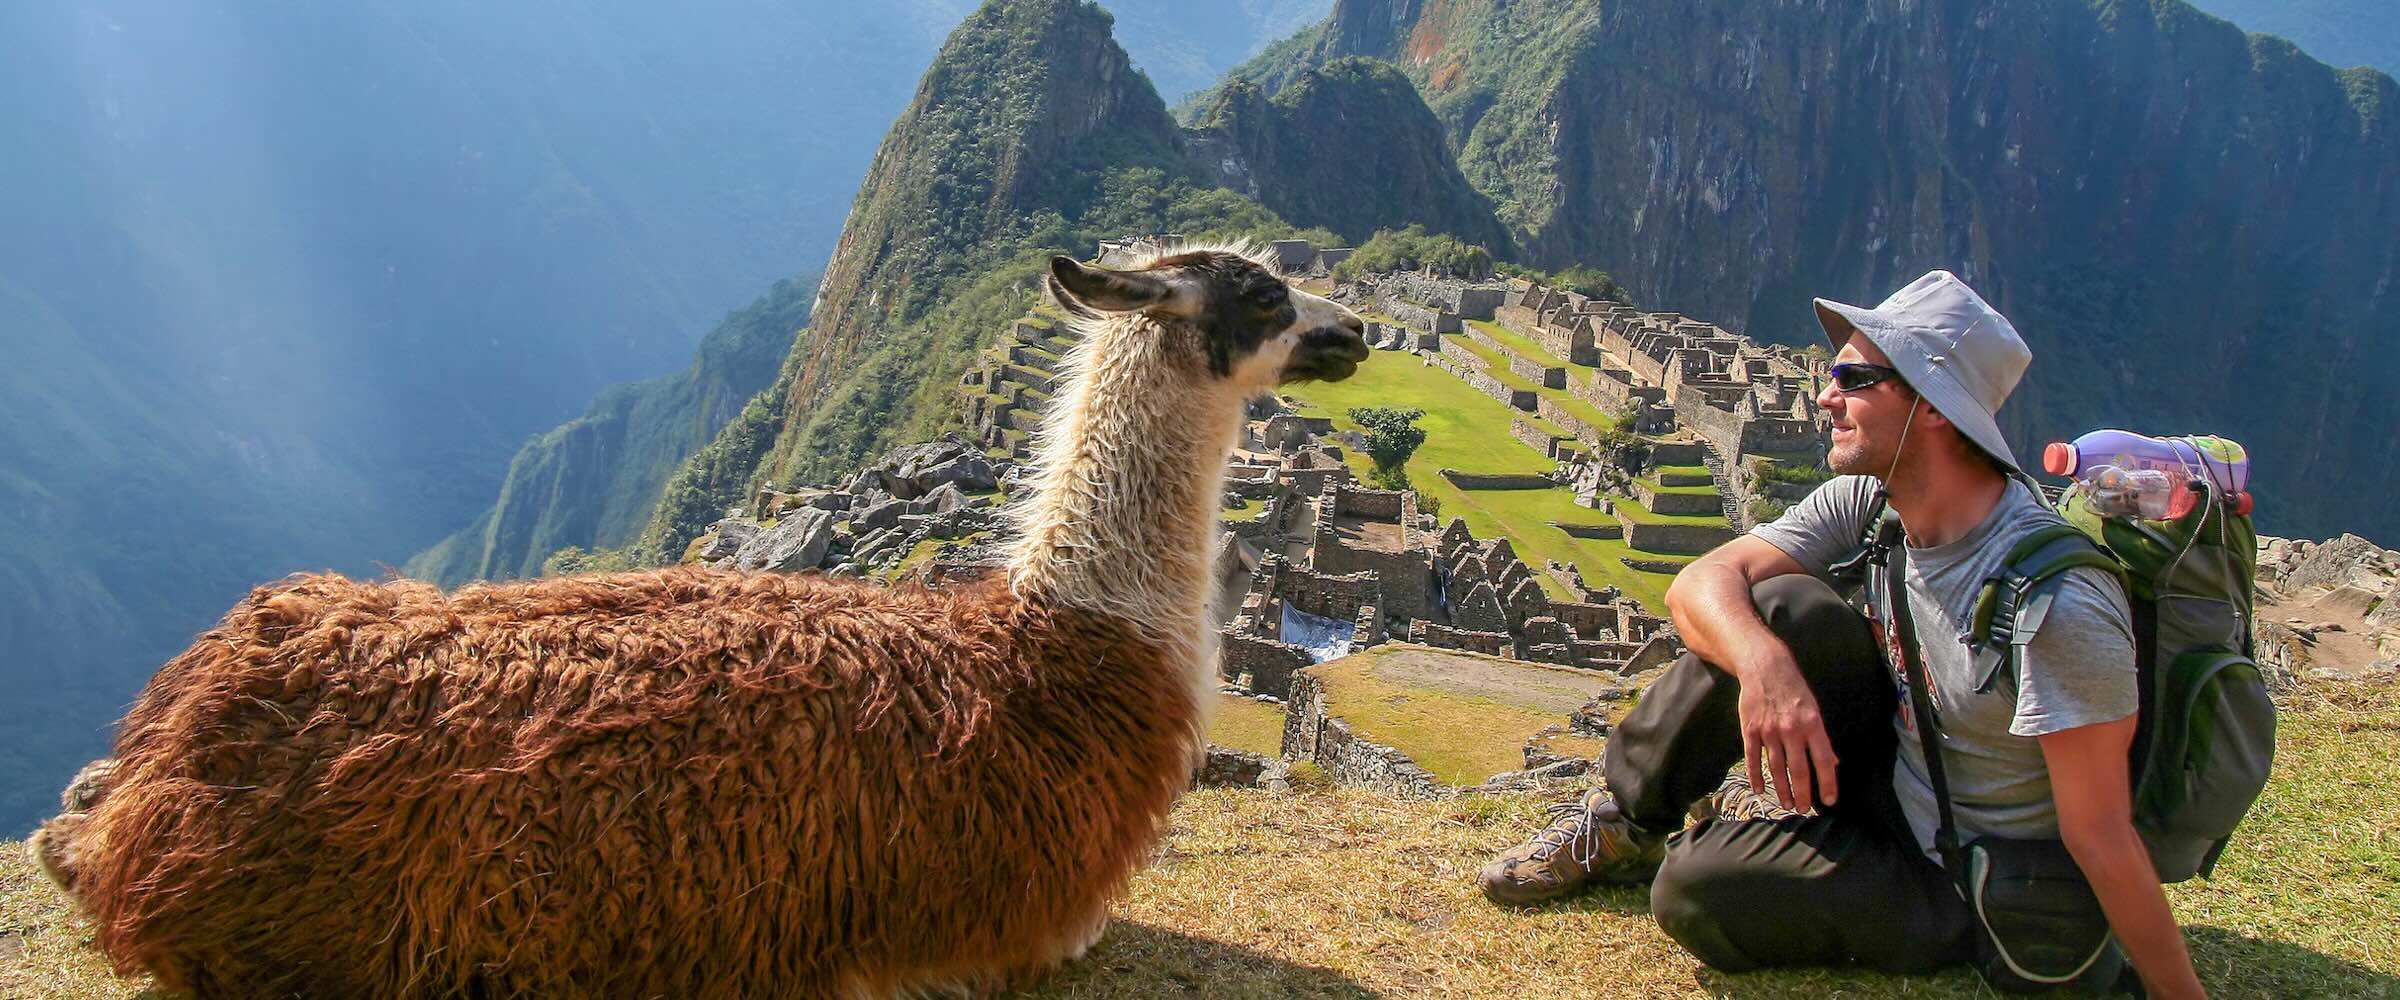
1736,802
1589,843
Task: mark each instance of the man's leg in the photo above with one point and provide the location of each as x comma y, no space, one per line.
1810,890
1677,743
1686,731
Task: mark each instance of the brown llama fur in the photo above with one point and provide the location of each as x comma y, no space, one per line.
572,787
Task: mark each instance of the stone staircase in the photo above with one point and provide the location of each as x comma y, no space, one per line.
1734,515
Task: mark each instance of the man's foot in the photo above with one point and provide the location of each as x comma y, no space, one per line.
1590,843
1736,802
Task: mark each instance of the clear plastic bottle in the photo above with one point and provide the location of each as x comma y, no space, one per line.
2155,478
2143,493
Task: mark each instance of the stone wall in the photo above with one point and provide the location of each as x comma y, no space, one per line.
1678,539
1492,481
1534,437
1401,579
1310,734
1678,453
1427,633
1557,413
1477,379
1676,503
1269,663
1370,504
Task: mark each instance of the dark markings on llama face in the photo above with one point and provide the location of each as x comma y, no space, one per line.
1242,304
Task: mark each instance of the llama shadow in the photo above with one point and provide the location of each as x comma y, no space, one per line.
1140,960
2230,963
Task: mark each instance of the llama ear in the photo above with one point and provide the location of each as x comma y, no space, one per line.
1080,288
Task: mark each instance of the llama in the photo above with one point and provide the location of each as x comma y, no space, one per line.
704,783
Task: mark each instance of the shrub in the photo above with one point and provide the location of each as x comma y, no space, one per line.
1391,435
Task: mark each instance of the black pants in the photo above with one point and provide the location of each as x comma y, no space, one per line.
1846,885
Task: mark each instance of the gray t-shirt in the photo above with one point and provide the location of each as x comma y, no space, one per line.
2079,670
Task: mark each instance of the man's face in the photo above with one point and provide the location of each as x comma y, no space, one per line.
1867,423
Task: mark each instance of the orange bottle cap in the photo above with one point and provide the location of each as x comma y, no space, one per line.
2058,458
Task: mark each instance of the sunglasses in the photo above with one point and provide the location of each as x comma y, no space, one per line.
1852,376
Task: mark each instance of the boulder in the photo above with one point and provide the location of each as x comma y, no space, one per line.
878,517
730,535
2348,559
969,472
798,542
942,499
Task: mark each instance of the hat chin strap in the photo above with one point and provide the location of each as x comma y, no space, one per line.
1902,446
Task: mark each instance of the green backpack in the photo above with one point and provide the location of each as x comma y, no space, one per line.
2206,733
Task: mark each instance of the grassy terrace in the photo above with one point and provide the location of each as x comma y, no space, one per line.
1468,431
1634,511
1246,511
1247,724
1461,716
1574,404
1497,365
1523,344
1664,488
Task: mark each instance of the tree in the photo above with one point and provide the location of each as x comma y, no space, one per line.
1391,434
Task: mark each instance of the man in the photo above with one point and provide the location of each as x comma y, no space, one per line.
1785,676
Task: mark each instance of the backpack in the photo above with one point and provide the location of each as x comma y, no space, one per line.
2205,737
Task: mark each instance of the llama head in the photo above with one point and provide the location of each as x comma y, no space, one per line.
1223,312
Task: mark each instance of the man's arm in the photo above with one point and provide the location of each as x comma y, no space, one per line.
2089,781
1713,612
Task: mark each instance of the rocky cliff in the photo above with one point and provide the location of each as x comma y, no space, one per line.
1349,146
2194,228
1022,96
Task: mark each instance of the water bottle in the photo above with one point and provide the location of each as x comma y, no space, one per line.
2153,478
2143,493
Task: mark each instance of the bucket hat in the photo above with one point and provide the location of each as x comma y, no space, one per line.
1950,345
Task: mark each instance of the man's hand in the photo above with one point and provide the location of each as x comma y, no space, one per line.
1781,724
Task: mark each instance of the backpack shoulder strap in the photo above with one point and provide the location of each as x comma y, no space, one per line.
2011,607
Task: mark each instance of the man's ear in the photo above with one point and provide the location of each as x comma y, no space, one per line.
1080,288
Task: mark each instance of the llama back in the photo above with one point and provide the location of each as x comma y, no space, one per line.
683,782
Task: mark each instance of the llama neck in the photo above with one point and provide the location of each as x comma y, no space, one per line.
1124,511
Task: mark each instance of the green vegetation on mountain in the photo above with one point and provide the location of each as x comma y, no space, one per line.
1413,249
1318,147
594,482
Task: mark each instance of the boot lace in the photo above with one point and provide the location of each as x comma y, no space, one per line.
1573,829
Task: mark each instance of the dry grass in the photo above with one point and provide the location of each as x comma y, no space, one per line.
1351,894
1247,724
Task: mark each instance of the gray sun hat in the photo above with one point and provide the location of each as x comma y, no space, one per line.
1950,345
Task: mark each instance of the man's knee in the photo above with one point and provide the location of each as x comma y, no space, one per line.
1695,898
1811,618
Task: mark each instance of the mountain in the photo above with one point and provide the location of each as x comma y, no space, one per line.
1332,132
2195,229
593,481
2341,32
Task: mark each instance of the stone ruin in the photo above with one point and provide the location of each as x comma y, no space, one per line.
942,490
